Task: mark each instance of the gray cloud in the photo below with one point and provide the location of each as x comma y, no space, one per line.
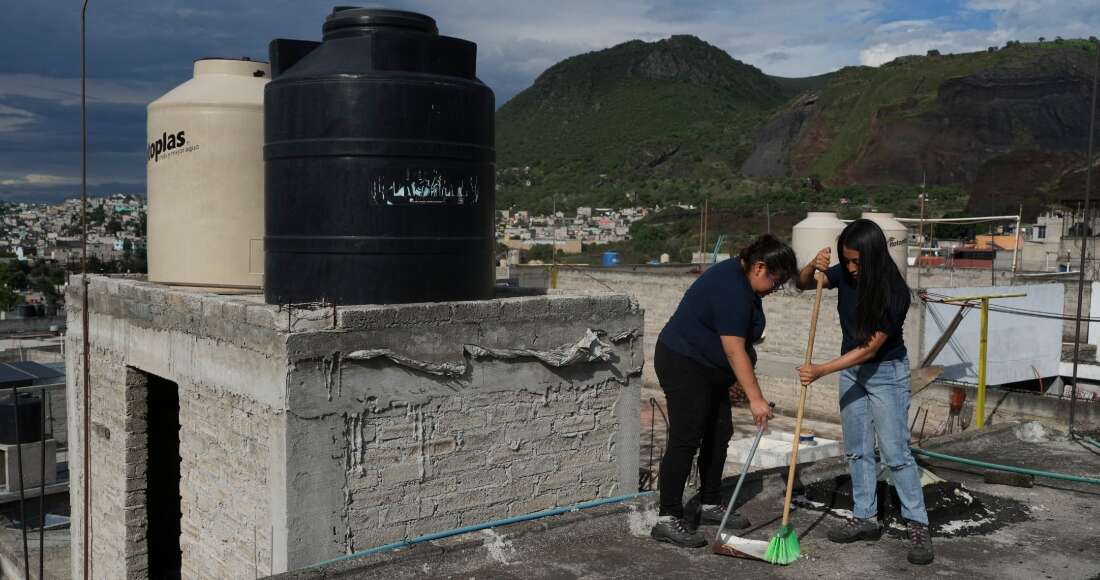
139,49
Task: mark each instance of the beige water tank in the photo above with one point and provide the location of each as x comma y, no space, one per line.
819,230
897,238
205,177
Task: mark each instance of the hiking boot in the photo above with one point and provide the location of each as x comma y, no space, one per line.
712,515
856,529
920,544
675,531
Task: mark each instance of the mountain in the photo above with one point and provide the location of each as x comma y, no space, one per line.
1008,125
644,121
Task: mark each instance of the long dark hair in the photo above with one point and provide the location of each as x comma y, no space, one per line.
879,280
776,256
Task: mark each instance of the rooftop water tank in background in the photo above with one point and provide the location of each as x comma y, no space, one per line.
205,179
380,166
897,238
819,230
30,421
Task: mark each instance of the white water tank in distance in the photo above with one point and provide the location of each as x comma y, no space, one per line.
205,177
897,238
819,230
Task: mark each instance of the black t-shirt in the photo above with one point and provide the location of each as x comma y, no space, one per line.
891,323
720,303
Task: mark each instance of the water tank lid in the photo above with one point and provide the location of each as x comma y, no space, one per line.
346,20
245,67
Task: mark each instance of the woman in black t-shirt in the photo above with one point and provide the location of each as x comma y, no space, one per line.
704,348
872,302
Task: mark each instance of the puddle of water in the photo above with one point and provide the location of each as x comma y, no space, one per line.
953,510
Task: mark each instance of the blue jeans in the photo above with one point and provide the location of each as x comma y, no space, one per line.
874,400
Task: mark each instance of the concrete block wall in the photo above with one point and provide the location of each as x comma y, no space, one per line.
787,312
306,434
225,450
459,461
230,386
414,419
657,294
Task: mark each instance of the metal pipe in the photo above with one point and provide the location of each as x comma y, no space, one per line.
22,488
1016,247
42,493
86,463
483,526
1008,468
983,345
992,218
1084,239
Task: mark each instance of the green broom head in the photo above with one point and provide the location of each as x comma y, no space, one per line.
783,547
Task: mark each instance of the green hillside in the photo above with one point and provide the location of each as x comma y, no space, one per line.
680,121
646,121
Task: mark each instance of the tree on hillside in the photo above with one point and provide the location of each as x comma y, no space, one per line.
9,297
97,215
542,252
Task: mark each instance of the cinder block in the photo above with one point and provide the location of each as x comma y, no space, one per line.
476,311
400,473
366,317
575,424
401,431
400,513
441,446
538,466
407,314
530,430
482,478
535,307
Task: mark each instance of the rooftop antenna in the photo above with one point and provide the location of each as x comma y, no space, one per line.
86,466
1084,237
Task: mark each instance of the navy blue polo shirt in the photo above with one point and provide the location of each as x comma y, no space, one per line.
720,303
891,324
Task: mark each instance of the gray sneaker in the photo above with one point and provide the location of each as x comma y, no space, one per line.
712,515
856,529
676,531
920,544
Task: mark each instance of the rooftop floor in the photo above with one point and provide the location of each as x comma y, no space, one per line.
1056,539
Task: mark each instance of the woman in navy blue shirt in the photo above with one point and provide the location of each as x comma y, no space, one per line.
872,302
706,347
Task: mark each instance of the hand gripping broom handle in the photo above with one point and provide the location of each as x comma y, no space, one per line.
802,401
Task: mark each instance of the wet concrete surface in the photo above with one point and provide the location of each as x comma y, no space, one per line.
1059,539
954,510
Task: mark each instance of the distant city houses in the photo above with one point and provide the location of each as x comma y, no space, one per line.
589,226
116,227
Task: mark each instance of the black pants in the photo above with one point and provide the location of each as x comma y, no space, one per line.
699,417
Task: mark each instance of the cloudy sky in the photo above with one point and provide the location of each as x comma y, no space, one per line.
137,50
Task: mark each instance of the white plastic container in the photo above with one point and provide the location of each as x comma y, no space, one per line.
205,177
897,238
819,230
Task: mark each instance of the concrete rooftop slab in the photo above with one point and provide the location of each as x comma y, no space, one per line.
1056,541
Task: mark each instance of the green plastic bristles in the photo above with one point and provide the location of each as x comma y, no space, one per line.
783,547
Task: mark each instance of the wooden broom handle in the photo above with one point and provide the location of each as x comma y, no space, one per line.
802,400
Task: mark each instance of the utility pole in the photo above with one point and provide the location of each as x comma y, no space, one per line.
706,216
920,235
702,213
1084,240
768,211
992,246
1016,248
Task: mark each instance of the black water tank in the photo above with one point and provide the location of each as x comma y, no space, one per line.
380,167
30,419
